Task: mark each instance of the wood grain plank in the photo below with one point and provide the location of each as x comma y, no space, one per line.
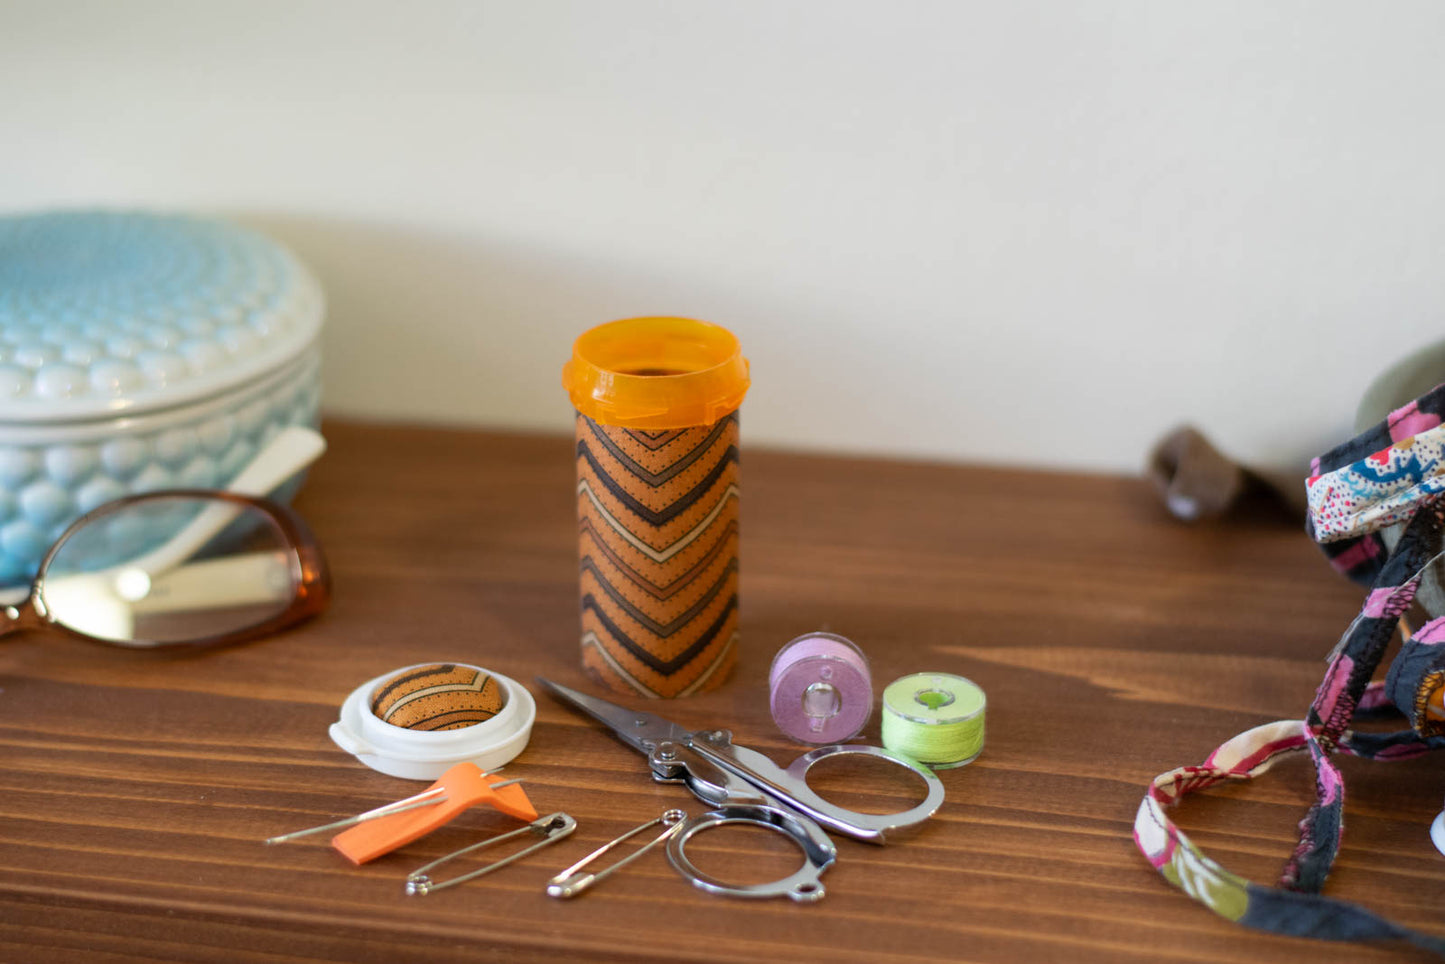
135,788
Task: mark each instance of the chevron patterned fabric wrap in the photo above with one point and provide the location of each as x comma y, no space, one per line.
657,520
439,696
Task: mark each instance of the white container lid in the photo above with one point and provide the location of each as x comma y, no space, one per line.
427,754
105,313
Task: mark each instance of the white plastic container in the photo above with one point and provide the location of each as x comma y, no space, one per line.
427,754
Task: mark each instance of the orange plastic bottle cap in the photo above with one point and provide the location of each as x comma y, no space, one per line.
656,373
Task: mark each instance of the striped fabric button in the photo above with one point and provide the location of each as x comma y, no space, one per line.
438,696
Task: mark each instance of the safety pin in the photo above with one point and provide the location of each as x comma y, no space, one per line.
569,883
550,828
427,798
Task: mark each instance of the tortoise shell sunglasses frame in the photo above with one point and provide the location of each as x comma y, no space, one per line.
310,575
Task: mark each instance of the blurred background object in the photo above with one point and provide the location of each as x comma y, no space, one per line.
1197,481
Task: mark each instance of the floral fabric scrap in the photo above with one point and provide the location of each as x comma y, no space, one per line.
1379,490
1390,474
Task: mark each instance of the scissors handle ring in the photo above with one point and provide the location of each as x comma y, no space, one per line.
869,827
803,885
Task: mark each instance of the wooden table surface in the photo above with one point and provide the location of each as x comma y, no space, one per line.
1112,643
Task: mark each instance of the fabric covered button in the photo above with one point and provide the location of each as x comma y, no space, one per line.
437,696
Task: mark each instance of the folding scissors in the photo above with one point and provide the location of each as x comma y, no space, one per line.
747,787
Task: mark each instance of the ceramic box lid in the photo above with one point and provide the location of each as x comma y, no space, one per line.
106,313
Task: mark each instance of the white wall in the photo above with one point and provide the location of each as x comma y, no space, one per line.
1029,232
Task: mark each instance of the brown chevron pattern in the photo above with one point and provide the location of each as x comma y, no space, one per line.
657,516
438,696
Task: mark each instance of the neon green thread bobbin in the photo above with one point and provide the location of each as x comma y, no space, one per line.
936,718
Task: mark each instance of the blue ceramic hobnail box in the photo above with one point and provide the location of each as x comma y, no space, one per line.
140,352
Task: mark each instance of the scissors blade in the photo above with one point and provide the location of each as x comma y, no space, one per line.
638,729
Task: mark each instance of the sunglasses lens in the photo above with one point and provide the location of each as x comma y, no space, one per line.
171,569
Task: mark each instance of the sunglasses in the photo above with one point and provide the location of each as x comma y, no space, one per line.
177,567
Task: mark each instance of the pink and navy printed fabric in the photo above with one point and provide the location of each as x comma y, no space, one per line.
1376,480
1393,473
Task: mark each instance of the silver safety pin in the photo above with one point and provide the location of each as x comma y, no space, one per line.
570,883
551,828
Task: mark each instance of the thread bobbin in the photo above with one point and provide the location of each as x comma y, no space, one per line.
935,718
820,689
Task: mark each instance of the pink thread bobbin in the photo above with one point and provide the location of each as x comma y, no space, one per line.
820,689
